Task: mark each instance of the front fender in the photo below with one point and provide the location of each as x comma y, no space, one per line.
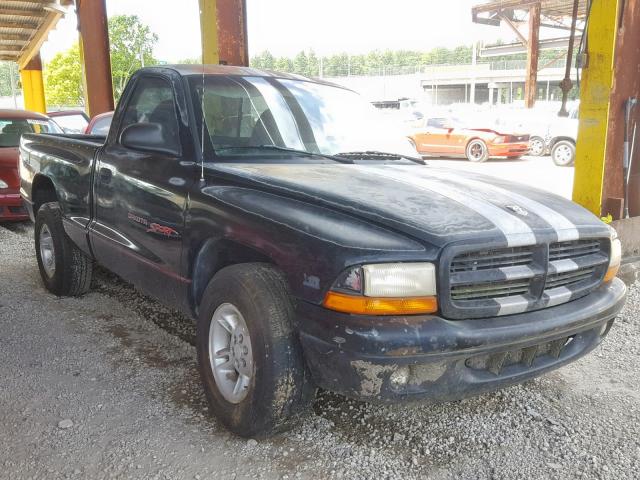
310,244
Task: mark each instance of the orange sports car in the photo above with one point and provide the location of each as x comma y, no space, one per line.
447,137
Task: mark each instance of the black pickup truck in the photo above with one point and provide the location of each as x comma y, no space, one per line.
313,247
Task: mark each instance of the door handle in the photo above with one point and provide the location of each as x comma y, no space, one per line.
105,175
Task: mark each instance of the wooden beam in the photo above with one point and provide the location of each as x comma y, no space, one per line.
13,37
23,13
533,51
11,48
515,29
39,38
504,5
18,26
94,38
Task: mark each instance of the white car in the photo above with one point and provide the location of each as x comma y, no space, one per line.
558,139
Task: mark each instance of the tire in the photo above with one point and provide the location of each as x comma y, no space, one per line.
537,146
278,390
477,151
563,153
64,268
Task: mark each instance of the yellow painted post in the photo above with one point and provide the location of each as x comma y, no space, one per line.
33,85
209,31
595,95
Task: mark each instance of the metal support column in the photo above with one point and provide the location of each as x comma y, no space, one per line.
94,37
533,50
223,26
33,85
595,93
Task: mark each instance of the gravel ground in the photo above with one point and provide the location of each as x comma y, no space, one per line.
105,386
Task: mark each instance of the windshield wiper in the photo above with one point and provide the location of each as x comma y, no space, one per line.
378,155
286,149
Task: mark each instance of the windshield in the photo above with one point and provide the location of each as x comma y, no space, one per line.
75,123
11,129
245,112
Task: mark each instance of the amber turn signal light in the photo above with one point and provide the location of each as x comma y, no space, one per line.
611,273
361,305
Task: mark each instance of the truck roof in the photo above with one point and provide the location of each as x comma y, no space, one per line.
13,114
198,69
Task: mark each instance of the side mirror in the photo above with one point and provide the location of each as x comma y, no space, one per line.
149,137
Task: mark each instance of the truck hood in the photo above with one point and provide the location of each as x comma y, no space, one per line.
431,204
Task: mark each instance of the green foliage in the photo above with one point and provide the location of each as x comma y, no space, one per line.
63,79
6,68
379,62
131,45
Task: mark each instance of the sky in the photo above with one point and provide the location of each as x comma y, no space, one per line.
285,27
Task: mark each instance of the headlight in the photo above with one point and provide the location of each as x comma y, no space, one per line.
385,289
615,258
3,184
500,139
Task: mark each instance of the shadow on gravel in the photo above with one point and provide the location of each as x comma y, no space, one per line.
20,228
170,320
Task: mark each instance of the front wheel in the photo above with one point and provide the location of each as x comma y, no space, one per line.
563,153
64,268
536,146
249,356
477,151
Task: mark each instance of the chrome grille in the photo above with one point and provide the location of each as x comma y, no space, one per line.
481,281
488,259
558,251
489,290
569,278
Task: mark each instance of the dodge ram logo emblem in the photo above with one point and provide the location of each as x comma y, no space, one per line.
517,209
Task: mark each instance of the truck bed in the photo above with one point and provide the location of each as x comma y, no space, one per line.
67,161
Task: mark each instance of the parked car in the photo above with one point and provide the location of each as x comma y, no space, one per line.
449,137
13,123
100,124
557,137
71,121
313,249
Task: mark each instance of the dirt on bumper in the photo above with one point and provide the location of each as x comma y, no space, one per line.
431,358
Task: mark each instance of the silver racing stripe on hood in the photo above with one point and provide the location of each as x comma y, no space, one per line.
516,231
565,229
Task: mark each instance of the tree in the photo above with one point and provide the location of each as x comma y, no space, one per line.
132,45
63,79
6,71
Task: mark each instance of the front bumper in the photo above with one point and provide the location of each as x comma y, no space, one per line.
508,149
431,358
11,207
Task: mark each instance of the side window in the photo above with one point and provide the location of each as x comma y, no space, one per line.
153,102
436,122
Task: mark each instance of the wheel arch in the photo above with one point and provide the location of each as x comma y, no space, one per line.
560,139
216,254
42,191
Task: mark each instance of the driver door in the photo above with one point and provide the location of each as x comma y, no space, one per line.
140,197
432,138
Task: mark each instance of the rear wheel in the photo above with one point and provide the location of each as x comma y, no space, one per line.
249,356
64,268
563,153
536,146
477,151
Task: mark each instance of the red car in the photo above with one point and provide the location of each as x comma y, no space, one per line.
13,123
448,137
100,124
